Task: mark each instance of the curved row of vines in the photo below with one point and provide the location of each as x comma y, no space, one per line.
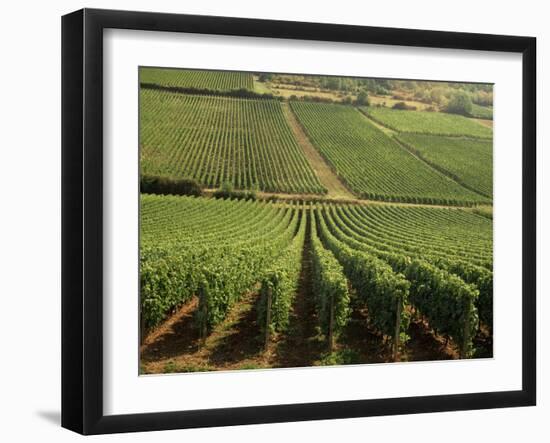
394,261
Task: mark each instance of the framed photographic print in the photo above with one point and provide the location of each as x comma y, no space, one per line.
270,221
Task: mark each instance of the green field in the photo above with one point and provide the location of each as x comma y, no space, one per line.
217,139
423,122
436,260
469,161
447,287
371,162
485,112
295,231
195,79
417,231
210,248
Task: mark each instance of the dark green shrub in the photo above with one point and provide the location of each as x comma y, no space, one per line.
152,184
404,106
460,103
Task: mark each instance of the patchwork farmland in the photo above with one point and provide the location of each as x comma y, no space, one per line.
283,230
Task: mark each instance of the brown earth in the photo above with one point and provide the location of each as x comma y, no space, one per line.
233,344
236,343
315,198
302,345
484,122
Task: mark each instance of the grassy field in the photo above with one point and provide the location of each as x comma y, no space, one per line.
288,92
371,162
216,139
484,112
436,123
388,101
261,87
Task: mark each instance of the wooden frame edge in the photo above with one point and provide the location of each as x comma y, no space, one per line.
82,235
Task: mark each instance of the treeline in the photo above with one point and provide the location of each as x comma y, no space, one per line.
332,83
361,100
153,184
227,191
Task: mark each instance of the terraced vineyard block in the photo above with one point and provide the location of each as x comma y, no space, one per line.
180,78
213,140
423,122
371,162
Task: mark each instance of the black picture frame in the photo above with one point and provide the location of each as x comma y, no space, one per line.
82,221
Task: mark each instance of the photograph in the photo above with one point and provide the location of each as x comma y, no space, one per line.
294,220
247,222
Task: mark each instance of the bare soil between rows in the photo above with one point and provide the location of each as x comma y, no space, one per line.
237,344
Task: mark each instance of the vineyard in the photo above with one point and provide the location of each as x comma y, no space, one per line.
315,226
406,238
422,122
213,140
195,79
485,112
372,163
216,250
404,266
466,160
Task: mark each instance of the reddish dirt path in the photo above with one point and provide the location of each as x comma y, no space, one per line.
233,344
301,345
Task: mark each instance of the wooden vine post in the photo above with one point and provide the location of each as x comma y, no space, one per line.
203,308
141,327
397,334
466,334
331,325
268,317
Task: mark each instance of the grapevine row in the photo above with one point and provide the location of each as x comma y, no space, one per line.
331,290
215,80
217,269
423,122
468,161
462,264
215,140
372,163
437,261
382,291
443,298
280,283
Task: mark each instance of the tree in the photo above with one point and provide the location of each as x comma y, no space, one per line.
362,98
266,77
460,103
437,96
347,100
333,83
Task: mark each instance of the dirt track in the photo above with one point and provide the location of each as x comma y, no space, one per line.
327,177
